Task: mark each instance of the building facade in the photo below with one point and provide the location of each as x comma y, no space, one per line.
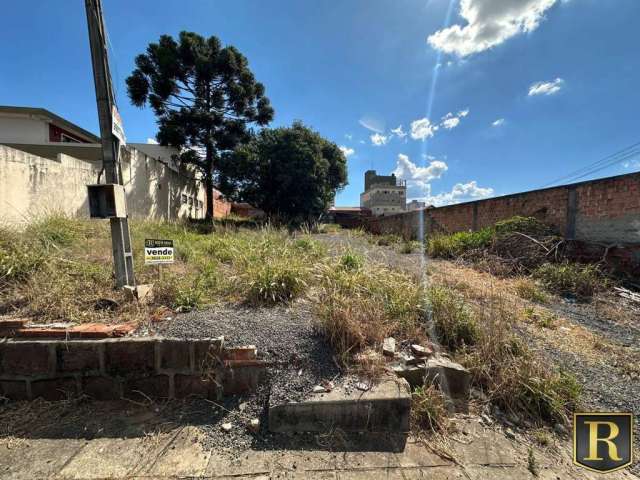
47,162
383,195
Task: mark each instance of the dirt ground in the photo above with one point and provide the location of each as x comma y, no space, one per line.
81,439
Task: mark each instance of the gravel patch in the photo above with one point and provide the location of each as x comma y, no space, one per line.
283,334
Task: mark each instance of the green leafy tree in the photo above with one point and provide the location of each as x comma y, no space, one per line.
204,96
292,174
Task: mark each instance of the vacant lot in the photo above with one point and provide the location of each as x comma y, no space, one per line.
321,301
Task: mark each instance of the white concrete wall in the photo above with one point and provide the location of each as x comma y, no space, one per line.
31,186
20,129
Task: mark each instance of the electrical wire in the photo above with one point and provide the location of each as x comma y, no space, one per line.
605,162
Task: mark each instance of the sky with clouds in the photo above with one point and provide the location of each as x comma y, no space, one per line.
463,99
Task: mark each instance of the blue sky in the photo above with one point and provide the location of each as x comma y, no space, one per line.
501,96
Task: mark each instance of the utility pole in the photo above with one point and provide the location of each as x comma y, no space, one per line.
120,237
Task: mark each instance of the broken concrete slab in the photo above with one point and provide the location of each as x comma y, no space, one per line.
421,351
384,407
452,378
139,293
389,346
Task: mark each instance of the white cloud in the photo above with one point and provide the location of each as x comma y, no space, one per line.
379,140
546,88
152,141
399,132
631,164
346,151
452,120
417,177
489,23
498,123
348,136
422,129
461,192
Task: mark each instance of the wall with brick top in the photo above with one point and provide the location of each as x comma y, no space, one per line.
133,368
604,211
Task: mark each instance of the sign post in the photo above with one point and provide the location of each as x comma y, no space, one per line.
158,252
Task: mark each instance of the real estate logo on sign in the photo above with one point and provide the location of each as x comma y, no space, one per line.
116,126
603,441
158,251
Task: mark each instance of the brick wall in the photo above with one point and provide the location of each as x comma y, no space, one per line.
130,368
604,212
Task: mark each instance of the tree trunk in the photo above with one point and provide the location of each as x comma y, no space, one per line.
208,179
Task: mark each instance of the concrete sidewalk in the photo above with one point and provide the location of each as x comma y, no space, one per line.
484,454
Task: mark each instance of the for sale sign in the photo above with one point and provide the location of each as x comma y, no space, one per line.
158,251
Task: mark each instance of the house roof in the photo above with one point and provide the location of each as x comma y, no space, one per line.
53,118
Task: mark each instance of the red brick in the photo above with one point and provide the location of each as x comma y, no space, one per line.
129,357
101,388
240,353
153,387
54,389
14,390
24,358
13,323
78,357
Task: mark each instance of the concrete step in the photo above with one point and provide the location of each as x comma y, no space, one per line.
385,407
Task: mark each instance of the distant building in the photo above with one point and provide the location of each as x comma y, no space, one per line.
383,195
416,205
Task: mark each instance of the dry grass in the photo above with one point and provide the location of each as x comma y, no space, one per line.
58,268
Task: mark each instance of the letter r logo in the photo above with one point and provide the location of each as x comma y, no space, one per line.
603,441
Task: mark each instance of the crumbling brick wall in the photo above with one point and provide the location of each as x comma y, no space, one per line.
133,368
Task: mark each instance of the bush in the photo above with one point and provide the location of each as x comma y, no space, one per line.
387,240
575,279
453,321
351,261
357,308
188,298
454,245
274,281
428,409
410,247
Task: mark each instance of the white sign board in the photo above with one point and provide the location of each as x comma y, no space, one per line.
157,252
116,126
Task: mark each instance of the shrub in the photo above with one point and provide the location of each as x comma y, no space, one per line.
351,261
19,260
410,247
328,228
428,409
359,307
274,281
570,278
188,298
454,245
453,321
528,290
387,240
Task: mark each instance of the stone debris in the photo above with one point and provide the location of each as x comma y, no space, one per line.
254,425
226,427
389,346
363,386
452,378
328,386
420,351
318,389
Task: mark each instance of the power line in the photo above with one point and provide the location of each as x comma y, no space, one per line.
604,162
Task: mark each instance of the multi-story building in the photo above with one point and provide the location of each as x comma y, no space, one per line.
383,195
416,205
